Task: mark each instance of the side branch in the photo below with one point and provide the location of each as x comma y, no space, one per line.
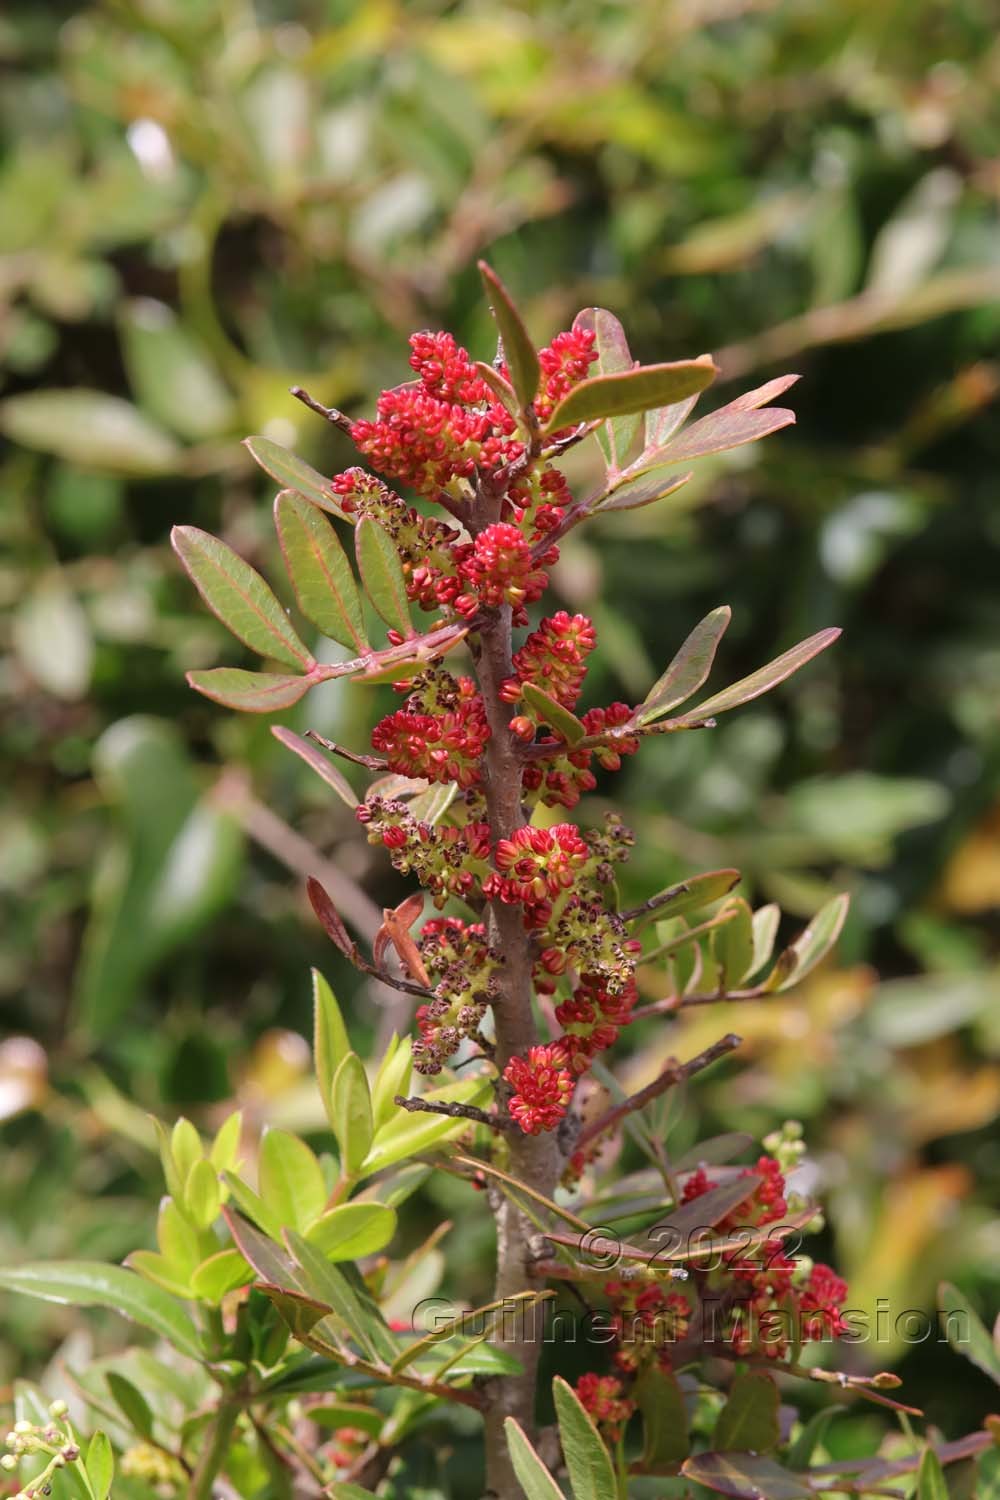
328,413
455,1112
672,1074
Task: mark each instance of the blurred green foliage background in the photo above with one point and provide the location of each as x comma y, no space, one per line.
202,204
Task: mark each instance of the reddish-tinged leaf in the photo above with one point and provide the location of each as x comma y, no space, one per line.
504,393
551,712
729,427
770,391
320,573
518,350
679,1232
663,421
629,391
252,692
294,473
316,761
613,355
645,489
689,668
238,595
382,574
745,1476
763,680
269,1260
329,918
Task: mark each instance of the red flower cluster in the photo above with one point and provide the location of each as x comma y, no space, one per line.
497,568
542,863
648,1320
769,1307
766,1205
543,1086
603,1398
564,364
821,1302
445,746
448,860
553,658
592,1018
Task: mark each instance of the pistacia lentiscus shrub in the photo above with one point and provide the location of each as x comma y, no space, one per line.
273,1296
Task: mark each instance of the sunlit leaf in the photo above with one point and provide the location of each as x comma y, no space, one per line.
644,489
238,595
382,574
393,1078
518,350
732,945
628,391
100,1465
613,355
763,680
352,1230
219,1274
406,1134
690,895
320,572
766,921
729,427
331,1043
202,1194
811,946
548,711
290,1179
352,1113
86,1283
294,473
317,760
689,668
252,692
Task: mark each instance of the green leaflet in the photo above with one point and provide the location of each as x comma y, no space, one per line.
587,1459
689,669
518,350
250,692
294,473
382,575
238,595
627,391
86,1283
320,572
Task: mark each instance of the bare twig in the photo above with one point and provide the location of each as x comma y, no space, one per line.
370,762
671,1075
455,1112
328,413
